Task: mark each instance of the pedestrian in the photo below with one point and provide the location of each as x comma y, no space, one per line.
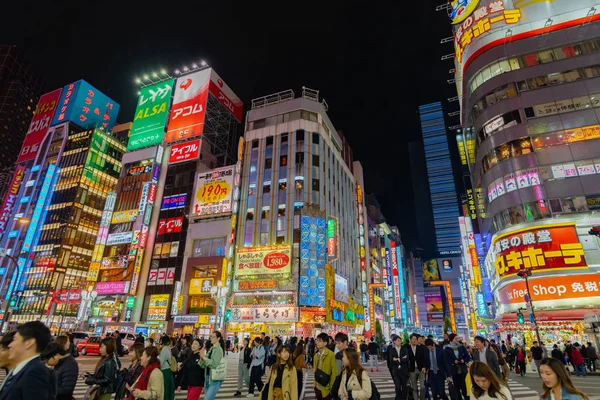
399,375
72,346
485,384
556,353
364,349
283,379
301,367
521,360
227,346
456,357
132,372
557,384
537,353
257,357
150,384
149,342
592,356
325,368
341,344
577,360
139,338
504,348
486,355
293,342
5,362
356,384
266,344
244,362
272,351
437,371
191,375
373,355
416,366
330,343
166,359
236,342
105,372
119,343
215,373
65,368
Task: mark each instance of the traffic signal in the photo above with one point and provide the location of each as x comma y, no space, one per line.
12,302
520,318
227,315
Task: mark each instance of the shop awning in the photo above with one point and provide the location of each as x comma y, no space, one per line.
576,314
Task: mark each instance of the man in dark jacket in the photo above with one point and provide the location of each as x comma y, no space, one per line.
416,365
66,370
395,367
486,355
341,343
30,379
437,372
556,353
373,354
139,338
119,342
592,356
364,349
456,358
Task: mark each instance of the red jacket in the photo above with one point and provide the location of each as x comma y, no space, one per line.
576,357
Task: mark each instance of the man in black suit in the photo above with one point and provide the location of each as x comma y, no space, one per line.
437,372
30,379
395,366
416,366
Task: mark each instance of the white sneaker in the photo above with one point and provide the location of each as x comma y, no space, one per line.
250,396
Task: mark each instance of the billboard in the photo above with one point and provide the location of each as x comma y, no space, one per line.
263,261
36,218
189,106
184,151
150,115
225,95
11,197
200,285
120,217
119,238
552,288
114,262
434,307
174,201
542,247
214,192
157,307
39,125
265,314
341,289
86,106
431,270
103,288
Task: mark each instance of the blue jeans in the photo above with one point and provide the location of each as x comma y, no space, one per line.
580,369
210,391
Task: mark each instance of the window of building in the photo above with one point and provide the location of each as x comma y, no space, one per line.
268,163
283,161
315,138
212,247
266,188
266,212
269,140
260,123
255,144
250,214
315,185
284,138
299,183
299,157
282,186
300,135
315,160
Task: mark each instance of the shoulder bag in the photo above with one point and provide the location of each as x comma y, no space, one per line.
219,373
320,376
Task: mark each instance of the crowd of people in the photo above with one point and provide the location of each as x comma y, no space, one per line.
41,367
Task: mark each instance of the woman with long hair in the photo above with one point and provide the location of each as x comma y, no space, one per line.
106,370
557,384
150,385
355,383
244,362
521,360
213,379
65,369
301,366
283,380
272,351
133,372
485,385
192,374
257,360
166,359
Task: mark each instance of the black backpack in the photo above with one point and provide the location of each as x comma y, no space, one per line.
374,392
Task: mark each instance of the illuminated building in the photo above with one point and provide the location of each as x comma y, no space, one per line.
298,261
527,79
20,89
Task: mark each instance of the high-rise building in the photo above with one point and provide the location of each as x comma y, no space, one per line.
20,89
300,223
527,75
441,182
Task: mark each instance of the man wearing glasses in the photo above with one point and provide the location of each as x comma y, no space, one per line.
324,361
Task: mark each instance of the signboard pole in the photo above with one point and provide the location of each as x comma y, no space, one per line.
9,272
525,274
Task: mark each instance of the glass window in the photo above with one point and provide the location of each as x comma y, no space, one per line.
514,63
250,214
315,138
209,247
265,212
282,186
581,102
266,188
546,56
269,140
572,75
531,60
300,135
315,160
537,82
522,86
585,167
299,183
300,158
591,72
315,184
283,161
555,205
268,163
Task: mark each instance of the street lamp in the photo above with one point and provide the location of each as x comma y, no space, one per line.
525,274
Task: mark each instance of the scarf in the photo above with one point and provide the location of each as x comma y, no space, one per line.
144,379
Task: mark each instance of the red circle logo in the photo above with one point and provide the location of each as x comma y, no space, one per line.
276,260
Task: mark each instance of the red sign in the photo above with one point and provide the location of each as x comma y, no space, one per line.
225,95
143,237
11,197
538,248
276,260
152,193
169,225
184,151
74,296
189,106
552,288
39,125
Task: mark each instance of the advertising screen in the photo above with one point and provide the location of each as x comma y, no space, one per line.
431,271
189,106
264,314
225,95
112,287
39,125
552,288
36,219
174,201
157,307
184,151
120,217
341,289
434,307
270,260
150,115
11,197
543,247
86,106
214,192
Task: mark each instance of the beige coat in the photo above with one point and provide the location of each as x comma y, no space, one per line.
358,392
289,384
156,387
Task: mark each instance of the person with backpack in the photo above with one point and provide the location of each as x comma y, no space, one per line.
192,375
325,368
105,374
215,373
168,364
356,384
373,354
130,374
150,384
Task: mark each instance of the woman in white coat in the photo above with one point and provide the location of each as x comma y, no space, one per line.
355,383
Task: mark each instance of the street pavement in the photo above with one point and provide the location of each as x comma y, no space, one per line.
522,388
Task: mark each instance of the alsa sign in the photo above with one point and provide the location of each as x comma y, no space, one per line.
263,261
184,152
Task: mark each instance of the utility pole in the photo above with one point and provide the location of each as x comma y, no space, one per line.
526,273
9,272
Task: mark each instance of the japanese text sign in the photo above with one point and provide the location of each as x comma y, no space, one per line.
225,95
538,248
86,106
151,115
189,106
551,288
271,260
11,197
169,225
257,285
112,287
39,125
157,307
175,201
184,151
214,191
264,314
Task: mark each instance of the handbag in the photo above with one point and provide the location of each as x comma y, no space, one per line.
219,373
92,393
452,391
320,376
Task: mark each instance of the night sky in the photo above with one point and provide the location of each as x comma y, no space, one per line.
374,63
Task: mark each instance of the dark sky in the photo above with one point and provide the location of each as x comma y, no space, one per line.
373,62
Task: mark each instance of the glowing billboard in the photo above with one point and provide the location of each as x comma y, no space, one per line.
270,260
11,197
36,218
225,95
150,115
189,106
214,192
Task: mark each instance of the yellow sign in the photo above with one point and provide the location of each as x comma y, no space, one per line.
203,319
461,9
157,307
200,285
268,260
213,192
241,148
359,194
120,217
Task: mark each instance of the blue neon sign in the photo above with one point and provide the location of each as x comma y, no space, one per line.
481,305
39,207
